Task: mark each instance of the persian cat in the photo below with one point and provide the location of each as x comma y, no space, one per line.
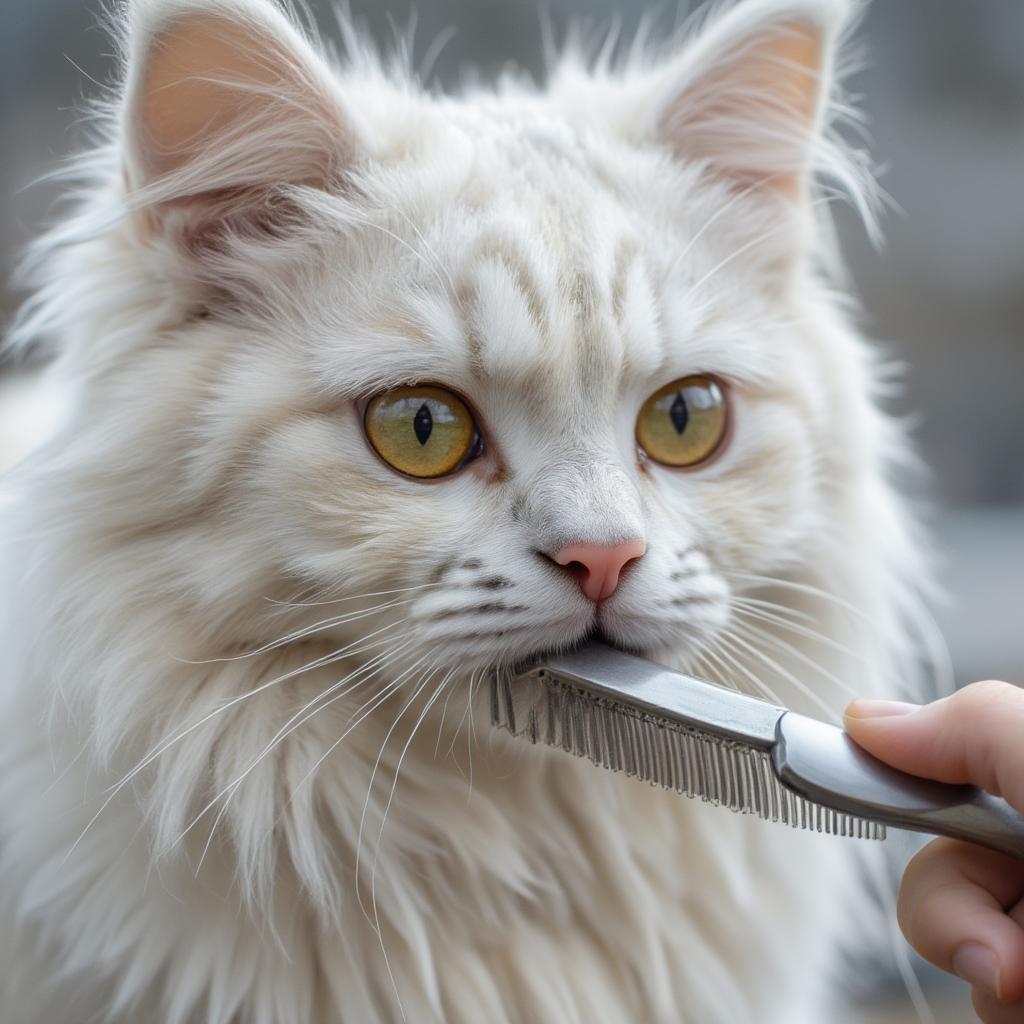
371,391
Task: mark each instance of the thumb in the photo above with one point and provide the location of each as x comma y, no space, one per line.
975,736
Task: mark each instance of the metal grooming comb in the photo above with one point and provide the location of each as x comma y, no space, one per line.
631,715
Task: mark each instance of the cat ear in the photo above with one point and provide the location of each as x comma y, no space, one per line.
748,99
226,100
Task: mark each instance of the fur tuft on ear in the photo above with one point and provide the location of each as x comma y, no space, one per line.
748,98
224,99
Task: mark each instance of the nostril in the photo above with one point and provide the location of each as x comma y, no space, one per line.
628,564
575,569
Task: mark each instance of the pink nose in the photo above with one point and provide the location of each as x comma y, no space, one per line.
597,566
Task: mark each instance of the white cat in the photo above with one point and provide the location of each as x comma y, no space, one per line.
372,390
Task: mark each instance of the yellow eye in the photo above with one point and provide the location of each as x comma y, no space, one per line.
422,431
684,423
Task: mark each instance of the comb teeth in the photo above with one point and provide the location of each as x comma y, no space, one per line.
665,753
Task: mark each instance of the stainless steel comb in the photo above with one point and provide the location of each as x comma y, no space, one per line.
634,716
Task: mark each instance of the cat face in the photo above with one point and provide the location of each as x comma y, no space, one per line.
554,305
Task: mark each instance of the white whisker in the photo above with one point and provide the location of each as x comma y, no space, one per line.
801,687
470,734
357,716
384,817
458,730
810,634
352,597
773,606
301,634
440,727
803,588
438,272
441,268
343,687
421,682
736,253
729,657
710,222
766,636
161,748
349,650
278,737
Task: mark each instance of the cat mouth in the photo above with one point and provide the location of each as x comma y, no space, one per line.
594,636
598,636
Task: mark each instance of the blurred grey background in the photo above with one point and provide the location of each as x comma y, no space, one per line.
944,94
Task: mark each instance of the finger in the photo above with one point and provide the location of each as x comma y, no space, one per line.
952,910
991,1011
989,1008
975,736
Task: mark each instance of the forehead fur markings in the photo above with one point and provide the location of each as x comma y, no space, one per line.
582,294
466,300
595,334
515,276
625,257
518,268
399,324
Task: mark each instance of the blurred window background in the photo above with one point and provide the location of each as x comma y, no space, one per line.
943,90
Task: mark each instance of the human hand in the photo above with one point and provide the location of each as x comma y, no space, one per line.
961,906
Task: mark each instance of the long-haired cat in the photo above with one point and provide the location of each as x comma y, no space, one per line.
371,390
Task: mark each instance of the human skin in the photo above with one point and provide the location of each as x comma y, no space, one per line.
961,906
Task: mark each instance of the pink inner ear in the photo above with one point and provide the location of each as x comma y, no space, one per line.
183,105
753,113
251,101
797,60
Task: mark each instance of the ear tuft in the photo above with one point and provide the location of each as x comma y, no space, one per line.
748,100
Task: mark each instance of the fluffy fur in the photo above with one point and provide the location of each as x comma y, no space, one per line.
245,774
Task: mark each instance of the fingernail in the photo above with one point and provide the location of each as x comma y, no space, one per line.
978,966
880,708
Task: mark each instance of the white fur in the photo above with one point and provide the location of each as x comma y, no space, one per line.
182,838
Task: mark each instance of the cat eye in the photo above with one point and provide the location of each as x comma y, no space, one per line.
422,430
684,423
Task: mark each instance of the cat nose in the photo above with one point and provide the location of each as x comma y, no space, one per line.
597,566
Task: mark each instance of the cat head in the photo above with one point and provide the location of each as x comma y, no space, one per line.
530,364
501,370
